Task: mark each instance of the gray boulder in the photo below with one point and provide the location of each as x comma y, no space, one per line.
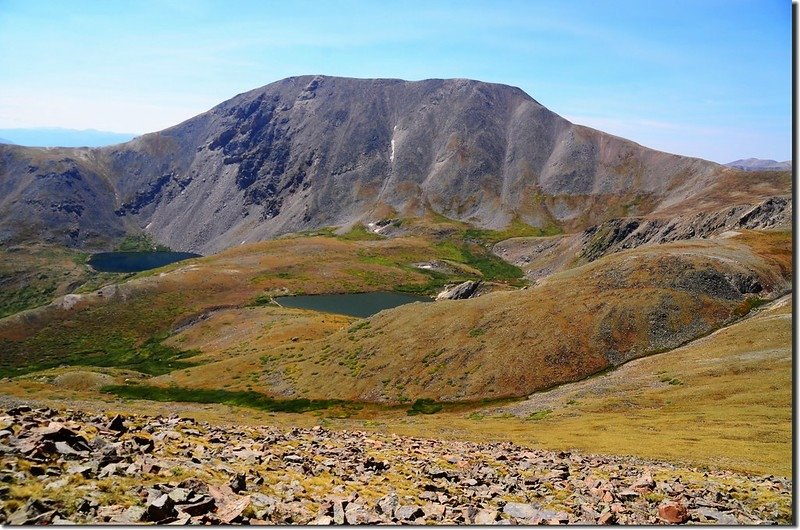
460,291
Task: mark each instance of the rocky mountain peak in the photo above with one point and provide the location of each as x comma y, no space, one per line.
312,151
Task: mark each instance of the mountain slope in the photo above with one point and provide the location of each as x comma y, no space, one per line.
571,325
541,256
725,398
312,151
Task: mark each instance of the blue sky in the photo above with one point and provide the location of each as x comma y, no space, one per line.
707,78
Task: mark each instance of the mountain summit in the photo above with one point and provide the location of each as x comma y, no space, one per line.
313,151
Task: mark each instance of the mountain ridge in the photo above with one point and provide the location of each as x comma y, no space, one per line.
312,151
760,164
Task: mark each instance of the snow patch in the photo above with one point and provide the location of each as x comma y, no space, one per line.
391,156
375,228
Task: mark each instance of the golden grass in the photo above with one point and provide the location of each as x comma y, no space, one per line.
513,343
35,274
238,345
155,302
722,402
730,409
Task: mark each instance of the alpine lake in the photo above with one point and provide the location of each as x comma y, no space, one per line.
136,261
359,305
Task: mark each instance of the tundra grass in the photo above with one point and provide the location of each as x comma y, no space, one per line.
435,283
109,350
515,229
122,335
492,267
360,232
424,406
115,331
32,276
140,243
731,410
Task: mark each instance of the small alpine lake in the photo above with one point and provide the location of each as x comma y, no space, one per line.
136,261
359,305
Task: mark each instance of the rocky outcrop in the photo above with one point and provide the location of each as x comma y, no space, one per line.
542,256
620,234
460,291
69,467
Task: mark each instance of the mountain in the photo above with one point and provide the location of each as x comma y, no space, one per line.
4,141
759,164
60,137
313,151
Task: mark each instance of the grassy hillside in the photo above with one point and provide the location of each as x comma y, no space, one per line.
31,276
124,324
723,401
726,397
204,329
508,343
572,325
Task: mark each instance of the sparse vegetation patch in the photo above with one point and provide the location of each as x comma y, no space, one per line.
196,395
424,406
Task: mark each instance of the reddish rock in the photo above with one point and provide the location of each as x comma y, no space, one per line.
673,512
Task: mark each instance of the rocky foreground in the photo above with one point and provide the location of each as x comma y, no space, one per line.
74,467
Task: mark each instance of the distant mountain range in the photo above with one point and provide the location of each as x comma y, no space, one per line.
59,137
760,164
313,151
